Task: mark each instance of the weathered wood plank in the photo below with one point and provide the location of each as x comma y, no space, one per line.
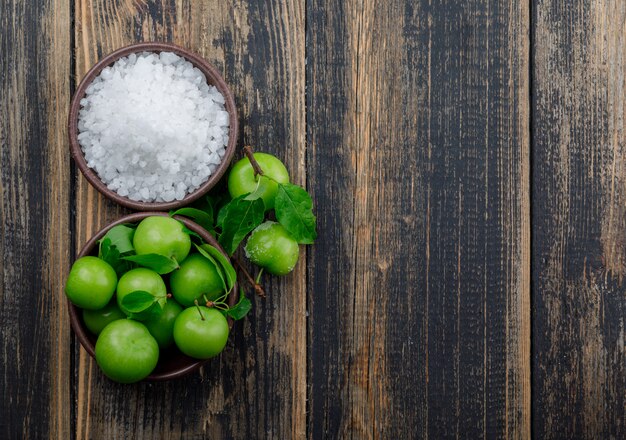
34,219
579,218
257,388
418,156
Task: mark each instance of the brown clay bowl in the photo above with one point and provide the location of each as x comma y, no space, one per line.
213,78
172,363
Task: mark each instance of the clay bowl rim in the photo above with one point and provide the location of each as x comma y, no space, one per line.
213,78
75,312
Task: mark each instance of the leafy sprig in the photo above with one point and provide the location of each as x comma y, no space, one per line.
143,305
230,221
116,244
241,217
294,211
156,262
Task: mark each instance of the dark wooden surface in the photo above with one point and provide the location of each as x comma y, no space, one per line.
468,164
579,218
419,117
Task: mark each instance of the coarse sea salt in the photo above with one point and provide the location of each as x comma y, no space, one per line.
152,128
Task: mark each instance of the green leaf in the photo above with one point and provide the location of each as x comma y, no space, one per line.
218,201
294,210
210,212
260,189
191,233
138,301
202,218
108,252
225,264
221,216
241,309
240,219
158,263
204,204
121,237
152,312
111,255
208,256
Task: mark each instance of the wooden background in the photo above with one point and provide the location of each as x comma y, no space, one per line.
468,163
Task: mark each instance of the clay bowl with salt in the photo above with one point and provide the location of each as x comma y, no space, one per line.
212,78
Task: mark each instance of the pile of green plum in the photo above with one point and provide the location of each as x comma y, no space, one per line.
261,204
130,279
157,285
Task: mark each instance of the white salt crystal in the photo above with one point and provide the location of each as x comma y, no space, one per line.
105,74
168,57
152,128
222,118
168,195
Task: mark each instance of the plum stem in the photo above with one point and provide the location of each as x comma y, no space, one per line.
257,280
258,289
195,301
249,152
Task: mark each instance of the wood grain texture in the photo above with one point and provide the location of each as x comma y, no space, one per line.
410,124
418,156
34,219
257,387
579,217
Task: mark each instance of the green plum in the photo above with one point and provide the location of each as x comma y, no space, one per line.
201,332
273,248
162,328
91,283
126,351
141,279
163,236
96,320
242,180
196,277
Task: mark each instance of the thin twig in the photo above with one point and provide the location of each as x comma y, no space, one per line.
255,165
258,289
